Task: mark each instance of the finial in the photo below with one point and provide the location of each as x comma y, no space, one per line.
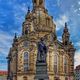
28,9
28,12
65,28
65,24
15,36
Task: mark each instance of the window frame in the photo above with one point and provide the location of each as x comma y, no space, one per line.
65,64
26,62
56,63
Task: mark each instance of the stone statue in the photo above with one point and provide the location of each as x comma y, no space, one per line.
42,51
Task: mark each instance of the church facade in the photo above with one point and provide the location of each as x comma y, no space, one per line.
38,49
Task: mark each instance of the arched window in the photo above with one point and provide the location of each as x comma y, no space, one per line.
65,64
55,63
26,61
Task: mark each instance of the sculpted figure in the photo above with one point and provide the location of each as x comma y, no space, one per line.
42,51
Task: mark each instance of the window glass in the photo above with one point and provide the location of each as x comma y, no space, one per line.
26,61
55,63
65,64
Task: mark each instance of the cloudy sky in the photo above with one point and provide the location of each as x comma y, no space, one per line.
12,14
